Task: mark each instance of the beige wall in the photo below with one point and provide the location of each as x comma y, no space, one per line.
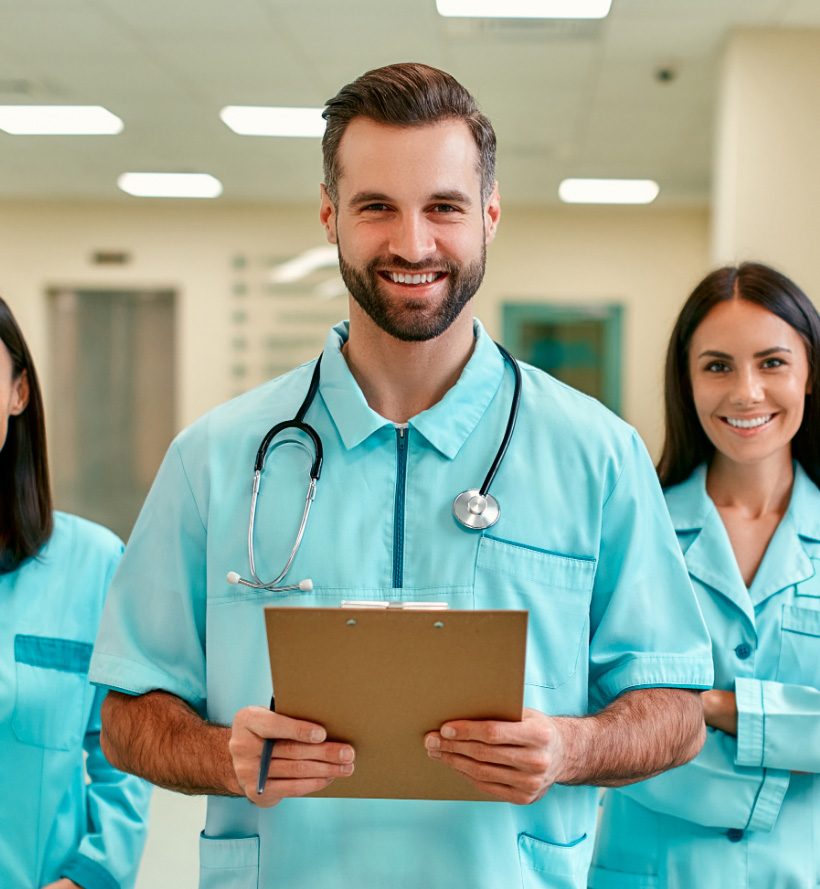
767,169
645,258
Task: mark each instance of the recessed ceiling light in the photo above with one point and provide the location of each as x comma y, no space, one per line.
59,120
608,191
525,9
255,120
170,185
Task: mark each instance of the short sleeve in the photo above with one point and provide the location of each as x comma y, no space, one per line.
646,628
152,635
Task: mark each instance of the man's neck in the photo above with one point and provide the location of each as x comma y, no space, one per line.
401,379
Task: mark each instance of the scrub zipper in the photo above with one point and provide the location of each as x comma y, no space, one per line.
398,515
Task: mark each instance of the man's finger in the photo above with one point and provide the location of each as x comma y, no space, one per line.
532,730
330,751
305,769
276,791
266,724
529,759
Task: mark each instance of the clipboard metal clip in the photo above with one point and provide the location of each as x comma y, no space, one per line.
394,605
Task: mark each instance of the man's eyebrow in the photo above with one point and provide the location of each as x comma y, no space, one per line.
365,197
713,353
451,196
454,196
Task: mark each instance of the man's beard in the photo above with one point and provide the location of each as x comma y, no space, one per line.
413,320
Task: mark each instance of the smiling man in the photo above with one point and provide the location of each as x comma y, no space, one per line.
410,399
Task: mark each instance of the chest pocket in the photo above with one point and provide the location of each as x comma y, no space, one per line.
555,590
800,646
52,691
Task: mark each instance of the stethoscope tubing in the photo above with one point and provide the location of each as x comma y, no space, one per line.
298,422
511,420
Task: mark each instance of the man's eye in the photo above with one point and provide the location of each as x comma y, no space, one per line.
445,208
374,208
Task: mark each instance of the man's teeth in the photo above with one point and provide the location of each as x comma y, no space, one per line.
399,278
748,424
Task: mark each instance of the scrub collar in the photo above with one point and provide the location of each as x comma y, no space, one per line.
446,425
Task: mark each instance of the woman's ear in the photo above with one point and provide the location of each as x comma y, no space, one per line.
19,394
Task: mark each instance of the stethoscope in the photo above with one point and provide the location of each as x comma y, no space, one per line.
475,509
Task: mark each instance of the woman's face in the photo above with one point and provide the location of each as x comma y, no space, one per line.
13,393
749,372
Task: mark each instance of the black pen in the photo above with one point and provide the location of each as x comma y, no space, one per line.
267,753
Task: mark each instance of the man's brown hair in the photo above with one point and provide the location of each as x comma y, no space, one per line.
405,95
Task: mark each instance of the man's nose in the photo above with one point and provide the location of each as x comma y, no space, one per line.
412,239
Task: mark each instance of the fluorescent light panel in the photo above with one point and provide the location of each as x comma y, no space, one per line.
256,120
304,264
525,9
170,185
59,120
608,191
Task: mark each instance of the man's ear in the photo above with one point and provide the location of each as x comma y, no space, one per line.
492,214
327,216
19,394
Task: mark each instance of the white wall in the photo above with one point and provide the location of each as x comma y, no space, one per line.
646,258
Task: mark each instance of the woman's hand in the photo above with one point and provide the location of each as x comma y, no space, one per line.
63,883
720,710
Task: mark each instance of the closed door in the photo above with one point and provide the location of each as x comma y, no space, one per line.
112,399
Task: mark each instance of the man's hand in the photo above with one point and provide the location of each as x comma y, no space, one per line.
720,710
63,883
303,760
641,733
516,761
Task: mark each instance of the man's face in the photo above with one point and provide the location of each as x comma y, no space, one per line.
409,224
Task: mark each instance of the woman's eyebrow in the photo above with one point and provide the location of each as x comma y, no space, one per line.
714,353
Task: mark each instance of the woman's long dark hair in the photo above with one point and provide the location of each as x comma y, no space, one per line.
25,493
686,444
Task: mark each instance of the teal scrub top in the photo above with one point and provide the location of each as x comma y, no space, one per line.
584,543
59,818
746,812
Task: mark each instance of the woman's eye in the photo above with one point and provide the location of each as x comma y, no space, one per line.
717,367
773,362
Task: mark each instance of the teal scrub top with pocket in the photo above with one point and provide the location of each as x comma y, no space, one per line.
745,812
584,544
64,810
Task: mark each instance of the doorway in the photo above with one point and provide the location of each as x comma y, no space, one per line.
112,399
578,344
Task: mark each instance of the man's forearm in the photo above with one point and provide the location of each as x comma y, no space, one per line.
640,734
159,737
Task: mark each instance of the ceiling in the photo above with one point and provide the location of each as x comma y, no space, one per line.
567,98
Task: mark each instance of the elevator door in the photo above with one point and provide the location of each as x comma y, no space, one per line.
111,399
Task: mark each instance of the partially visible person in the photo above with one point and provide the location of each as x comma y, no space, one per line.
741,468
63,823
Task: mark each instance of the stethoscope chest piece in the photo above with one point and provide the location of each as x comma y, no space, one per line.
476,511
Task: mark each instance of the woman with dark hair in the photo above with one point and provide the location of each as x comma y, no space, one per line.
741,467
67,817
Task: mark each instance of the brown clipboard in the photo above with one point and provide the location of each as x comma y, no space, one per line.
381,679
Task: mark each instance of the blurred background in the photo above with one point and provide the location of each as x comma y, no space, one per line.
143,312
